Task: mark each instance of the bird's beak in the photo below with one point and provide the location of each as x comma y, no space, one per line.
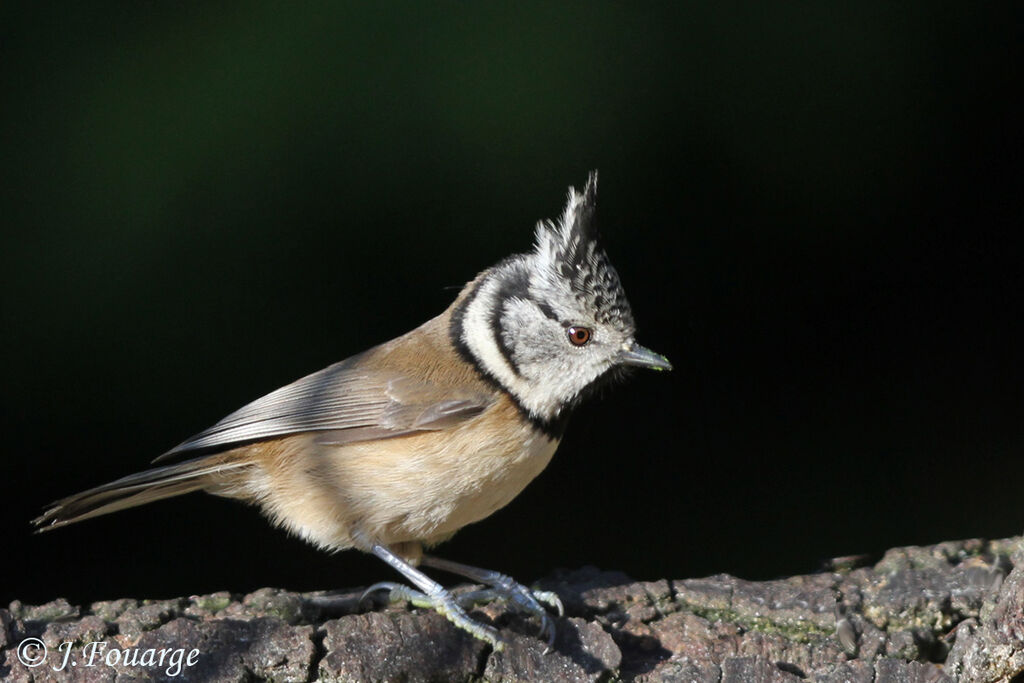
643,358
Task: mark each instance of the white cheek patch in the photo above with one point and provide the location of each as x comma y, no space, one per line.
478,334
545,346
553,371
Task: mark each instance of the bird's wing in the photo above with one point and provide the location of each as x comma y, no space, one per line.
346,403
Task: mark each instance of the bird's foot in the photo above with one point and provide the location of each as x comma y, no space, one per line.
445,604
505,587
525,599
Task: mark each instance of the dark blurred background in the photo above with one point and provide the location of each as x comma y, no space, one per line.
814,210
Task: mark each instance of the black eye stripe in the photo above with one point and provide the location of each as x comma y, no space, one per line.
549,313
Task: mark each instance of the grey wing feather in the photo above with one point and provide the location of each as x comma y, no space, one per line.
348,403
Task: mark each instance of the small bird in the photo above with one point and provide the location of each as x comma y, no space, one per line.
400,446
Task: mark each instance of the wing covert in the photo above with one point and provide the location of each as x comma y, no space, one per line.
347,400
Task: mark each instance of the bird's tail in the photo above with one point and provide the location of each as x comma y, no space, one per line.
208,472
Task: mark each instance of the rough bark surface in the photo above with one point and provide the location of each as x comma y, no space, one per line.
949,612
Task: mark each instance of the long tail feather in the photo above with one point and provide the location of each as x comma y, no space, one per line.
137,489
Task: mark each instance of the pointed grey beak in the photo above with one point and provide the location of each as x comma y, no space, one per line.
643,358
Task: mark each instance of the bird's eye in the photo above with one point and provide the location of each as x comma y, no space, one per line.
579,336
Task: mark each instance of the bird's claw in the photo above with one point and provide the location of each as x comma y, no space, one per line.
501,586
445,604
526,599
549,598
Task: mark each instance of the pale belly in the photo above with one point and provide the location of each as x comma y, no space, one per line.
420,488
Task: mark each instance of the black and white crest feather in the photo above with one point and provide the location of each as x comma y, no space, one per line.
568,251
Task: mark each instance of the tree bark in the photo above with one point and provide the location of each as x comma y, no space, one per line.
948,612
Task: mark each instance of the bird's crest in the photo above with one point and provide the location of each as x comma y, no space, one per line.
568,252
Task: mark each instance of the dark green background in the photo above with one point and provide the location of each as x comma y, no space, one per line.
813,208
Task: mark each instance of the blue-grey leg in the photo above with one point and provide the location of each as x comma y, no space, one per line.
503,586
433,596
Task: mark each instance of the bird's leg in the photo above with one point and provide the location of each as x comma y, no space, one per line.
433,596
503,586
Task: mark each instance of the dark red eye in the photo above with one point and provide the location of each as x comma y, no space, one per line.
579,335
